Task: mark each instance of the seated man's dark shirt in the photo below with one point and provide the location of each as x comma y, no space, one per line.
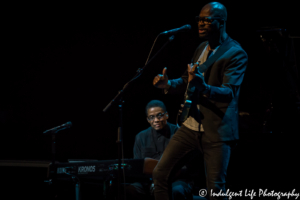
151,143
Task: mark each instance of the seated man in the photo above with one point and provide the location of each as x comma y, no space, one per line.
151,143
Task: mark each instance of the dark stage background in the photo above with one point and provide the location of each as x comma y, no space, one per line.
66,62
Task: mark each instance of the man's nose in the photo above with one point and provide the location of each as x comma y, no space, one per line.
156,119
201,23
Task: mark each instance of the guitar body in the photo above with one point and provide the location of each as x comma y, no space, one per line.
185,107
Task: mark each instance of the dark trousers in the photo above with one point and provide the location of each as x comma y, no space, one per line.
216,158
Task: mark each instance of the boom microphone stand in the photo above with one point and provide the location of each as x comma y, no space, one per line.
53,132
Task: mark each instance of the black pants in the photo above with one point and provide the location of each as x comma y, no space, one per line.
216,158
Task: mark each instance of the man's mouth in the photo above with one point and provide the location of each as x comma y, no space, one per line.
202,30
157,125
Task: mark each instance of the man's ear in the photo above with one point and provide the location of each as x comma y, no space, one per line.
167,115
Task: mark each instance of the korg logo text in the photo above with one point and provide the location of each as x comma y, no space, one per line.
86,169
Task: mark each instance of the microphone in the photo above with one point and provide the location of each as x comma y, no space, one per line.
176,30
58,128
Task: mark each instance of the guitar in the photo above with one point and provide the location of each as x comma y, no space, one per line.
185,107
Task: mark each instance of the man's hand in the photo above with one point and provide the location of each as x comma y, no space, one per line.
161,80
197,78
191,70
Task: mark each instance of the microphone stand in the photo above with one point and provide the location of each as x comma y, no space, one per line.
119,98
53,132
53,144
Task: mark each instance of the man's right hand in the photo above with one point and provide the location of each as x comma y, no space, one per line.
161,80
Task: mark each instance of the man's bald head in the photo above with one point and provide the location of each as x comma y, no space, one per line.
214,28
216,9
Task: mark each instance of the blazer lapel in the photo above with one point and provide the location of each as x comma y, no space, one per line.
222,49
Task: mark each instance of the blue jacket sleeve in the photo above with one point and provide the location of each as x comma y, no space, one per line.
178,86
232,77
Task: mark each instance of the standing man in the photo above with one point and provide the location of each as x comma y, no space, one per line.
151,143
213,91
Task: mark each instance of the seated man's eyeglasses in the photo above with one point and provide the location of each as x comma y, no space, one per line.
207,20
159,116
